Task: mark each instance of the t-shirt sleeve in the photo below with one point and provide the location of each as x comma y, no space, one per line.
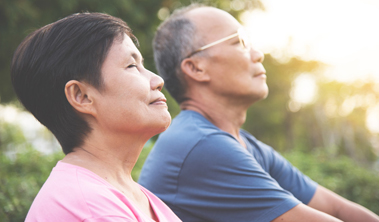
221,181
290,178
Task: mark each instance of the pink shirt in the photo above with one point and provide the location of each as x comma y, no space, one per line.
72,193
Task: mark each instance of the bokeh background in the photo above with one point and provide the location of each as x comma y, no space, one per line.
322,112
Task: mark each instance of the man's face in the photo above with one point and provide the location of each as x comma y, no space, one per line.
235,72
130,101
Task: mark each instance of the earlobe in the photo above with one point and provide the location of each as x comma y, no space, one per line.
77,96
193,69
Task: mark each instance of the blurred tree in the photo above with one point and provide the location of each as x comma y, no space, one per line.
335,121
339,119
270,120
18,18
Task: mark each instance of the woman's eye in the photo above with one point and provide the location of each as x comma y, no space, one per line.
132,66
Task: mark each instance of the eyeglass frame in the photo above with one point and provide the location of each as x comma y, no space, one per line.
240,33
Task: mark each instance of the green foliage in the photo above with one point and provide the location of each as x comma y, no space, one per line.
10,135
22,173
20,180
341,175
141,160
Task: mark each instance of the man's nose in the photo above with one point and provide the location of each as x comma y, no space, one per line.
256,55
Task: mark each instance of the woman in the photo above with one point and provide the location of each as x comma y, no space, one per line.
83,78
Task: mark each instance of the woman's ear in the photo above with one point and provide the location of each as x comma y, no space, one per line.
77,95
194,69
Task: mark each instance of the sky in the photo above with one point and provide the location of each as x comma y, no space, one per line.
341,33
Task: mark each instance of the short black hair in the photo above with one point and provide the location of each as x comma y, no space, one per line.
72,48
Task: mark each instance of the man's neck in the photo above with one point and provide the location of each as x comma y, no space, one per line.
228,117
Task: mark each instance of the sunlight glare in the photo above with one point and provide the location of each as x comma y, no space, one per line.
372,120
341,33
304,89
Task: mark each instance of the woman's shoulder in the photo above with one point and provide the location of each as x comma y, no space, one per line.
74,193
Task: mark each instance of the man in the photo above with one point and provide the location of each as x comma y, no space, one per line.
204,166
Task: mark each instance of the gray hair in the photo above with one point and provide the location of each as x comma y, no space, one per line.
173,41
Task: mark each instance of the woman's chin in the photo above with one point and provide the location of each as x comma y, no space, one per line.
166,124
161,126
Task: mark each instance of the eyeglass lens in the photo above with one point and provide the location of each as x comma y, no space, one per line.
243,38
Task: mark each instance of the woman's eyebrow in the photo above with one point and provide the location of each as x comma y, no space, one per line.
137,57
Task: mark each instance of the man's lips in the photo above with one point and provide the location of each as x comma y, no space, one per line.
260,74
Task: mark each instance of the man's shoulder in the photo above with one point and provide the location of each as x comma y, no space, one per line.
254,142
191,138
189,135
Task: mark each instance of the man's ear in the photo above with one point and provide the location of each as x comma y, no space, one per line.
77,95
194,69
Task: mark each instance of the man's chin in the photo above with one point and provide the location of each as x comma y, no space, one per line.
259,96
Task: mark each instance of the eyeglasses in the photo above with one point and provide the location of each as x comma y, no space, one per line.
242,36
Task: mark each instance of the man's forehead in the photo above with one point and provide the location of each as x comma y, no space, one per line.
209,17
212,23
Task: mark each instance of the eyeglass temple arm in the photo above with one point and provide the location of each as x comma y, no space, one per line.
213,43
217,42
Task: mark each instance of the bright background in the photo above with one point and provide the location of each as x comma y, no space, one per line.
344,34
341,33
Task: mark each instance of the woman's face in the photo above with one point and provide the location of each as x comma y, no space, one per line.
130,100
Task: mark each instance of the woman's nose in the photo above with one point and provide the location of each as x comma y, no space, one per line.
156,82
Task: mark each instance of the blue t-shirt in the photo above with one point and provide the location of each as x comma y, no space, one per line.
204,174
